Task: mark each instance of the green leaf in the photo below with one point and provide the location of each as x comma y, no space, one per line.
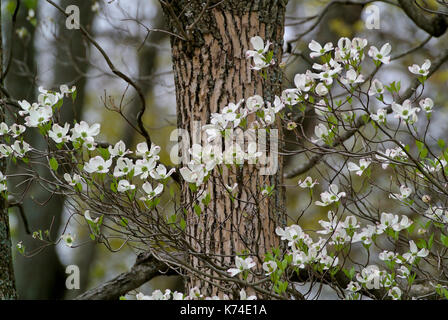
31,4
423,153
193,187
431,241
104,153
54,164
183,224
74,94
207,199
444,240
197,210
124,222
421,243
420,145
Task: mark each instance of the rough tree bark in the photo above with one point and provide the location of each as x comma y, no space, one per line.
210,71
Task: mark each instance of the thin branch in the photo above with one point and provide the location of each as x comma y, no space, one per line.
142,129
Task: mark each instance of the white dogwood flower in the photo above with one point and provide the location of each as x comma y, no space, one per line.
405,192
59,134
380,115
269,267
65,90
3,186
331,225
241,265
395,293
365,235
84,131
352,77
125,185
20,149
389,220
97,165
150,192
359,169
403,272
259,47
369,276
72,180
353,286
16,130
321,89
161,173
307,183
376,88
292,234
328,71
193,173
303,82
68,239
317,50
258,54
243,296
123,167
89,218
3,129
414,253
5,151
404,111
321,132
145,152
119,150
252,154
143,167
231,188
427,104
421,71
380,55
38,116
330,196
254,103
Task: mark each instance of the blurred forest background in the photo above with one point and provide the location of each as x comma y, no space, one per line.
46,53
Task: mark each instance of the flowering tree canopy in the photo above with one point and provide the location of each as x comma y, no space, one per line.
370,169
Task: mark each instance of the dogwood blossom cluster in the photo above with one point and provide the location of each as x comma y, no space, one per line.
305,252
132,173
204,158
194,294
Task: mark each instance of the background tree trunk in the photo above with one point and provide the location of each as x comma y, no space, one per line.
210,71
70,67
7,283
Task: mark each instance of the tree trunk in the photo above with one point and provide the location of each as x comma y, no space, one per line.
211,71
7,283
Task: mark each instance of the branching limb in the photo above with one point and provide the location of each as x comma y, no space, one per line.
435,25
145,268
